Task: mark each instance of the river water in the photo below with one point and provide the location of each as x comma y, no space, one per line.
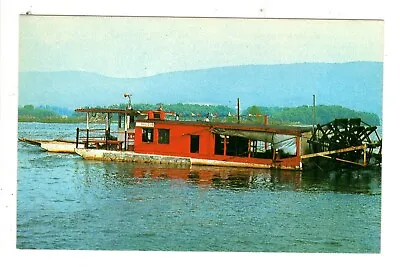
65,202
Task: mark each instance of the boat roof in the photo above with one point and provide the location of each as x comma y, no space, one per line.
282,129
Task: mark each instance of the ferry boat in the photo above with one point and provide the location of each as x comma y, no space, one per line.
157,136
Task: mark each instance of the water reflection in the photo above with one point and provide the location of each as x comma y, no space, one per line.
343,181
365,181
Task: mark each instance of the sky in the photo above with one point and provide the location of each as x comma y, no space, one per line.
145,46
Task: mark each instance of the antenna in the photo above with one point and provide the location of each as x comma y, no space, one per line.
129,100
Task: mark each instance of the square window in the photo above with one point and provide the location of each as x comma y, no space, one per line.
157,115
163,136
147,135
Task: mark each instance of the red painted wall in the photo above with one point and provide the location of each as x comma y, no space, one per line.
180,145
179,140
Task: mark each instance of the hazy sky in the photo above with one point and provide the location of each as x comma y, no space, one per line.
140,46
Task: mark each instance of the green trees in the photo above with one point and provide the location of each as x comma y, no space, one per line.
29,113
188,110
253,114
254,110
304,114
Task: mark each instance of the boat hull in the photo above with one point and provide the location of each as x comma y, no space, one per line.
55,146
60,147
129,156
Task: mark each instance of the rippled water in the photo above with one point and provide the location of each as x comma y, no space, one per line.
65,202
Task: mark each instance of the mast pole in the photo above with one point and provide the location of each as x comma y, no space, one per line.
238,110
87,130
314,114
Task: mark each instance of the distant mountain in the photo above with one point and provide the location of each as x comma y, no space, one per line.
356,85
58,110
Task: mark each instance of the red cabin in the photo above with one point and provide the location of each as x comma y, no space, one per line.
214,143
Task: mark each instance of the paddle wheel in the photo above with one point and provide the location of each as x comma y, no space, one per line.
346,140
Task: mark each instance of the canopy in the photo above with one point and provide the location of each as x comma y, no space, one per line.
279,141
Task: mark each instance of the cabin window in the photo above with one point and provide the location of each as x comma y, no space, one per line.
237,146
163,136
147,135
260,149
157,115
194,143
219,144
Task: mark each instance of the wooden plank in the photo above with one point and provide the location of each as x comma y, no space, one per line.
343,160
31,141
320,154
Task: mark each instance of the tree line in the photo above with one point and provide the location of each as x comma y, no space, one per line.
29,113
252,114
304,114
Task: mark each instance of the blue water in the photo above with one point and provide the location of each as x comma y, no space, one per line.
65,202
